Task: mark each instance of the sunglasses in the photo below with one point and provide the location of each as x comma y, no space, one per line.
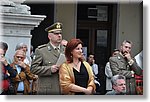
2,55
19,57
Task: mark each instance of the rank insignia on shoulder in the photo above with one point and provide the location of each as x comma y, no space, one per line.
118,57
41,46
49,48
34,56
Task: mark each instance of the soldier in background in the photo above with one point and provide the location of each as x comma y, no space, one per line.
44,61
124,64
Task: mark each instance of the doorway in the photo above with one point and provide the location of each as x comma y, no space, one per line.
94,28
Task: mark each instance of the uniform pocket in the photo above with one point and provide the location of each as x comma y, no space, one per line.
122,66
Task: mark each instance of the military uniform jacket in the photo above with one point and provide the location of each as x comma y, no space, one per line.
46,56
119,65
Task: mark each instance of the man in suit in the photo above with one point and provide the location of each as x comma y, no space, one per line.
123,64
44,61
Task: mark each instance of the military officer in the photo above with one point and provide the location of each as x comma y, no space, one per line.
44,61
123,64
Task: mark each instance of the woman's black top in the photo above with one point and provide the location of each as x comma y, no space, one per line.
81,78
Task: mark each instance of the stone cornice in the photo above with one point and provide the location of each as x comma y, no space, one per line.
19,19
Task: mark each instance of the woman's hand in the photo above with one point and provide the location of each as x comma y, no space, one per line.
88,91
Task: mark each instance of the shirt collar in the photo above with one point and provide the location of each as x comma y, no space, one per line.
55,46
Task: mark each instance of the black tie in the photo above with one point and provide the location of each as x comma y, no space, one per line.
57,49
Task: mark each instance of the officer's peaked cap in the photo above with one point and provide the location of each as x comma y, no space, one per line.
54,27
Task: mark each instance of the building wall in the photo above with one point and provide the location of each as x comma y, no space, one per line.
66,13
130,25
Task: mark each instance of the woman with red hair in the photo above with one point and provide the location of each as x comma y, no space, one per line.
75,75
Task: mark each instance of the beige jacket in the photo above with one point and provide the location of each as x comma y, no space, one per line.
66,77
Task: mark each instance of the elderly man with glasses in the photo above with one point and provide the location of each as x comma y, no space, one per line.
21,81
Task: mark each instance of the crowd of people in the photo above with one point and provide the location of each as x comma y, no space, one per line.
39,73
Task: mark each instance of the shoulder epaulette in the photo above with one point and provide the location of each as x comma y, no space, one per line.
119,57
41,46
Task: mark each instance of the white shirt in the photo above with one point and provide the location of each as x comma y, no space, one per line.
95,69
55,46
20,85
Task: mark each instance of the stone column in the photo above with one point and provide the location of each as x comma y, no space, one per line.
17,23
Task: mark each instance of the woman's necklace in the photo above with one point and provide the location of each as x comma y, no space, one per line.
76,65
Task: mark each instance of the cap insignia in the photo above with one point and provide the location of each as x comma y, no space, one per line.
58,26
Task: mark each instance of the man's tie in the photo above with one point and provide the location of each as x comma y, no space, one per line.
57,50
